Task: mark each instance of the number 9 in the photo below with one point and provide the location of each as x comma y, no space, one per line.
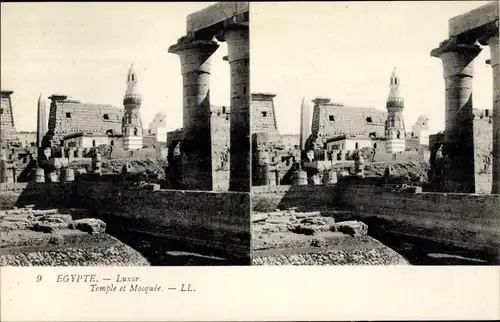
39,278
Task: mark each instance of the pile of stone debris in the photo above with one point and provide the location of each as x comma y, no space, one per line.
46,221
306,223
31,237
314,238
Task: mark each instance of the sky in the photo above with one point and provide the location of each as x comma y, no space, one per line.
84,50
347,50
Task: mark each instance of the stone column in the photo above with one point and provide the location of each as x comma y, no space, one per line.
459,136
196,145
493,43
237,37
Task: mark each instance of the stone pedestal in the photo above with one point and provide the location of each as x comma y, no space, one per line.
329,177
71,154
53,177
493,43
79,153
300,178
196,144
237,37
459,140
68,175
277,177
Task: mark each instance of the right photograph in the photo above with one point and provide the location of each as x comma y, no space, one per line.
375,133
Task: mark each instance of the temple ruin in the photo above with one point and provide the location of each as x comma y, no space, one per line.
457,53
227,22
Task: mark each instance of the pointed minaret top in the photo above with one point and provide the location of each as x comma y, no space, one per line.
394,86
131,80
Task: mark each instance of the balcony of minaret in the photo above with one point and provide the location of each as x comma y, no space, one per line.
132,99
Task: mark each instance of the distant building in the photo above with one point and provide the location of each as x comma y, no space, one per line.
351,143
332,119
158,127
291,141
264,118
27,139
7,128
90,140
71,116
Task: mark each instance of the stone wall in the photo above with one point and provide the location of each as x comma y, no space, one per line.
71,116
469,221
331,120
308,198
216,222
382,156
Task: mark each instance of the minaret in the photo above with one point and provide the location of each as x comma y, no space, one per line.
394,125
131,123
41,129
305,127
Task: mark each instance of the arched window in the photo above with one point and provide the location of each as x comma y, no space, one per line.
356,146
112,142
135,131
93,143
374,145
395,81
399,135
132,77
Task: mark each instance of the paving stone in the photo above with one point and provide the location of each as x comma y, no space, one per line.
257,217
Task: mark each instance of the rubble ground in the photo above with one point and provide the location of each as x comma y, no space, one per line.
31,237
114,166
312,238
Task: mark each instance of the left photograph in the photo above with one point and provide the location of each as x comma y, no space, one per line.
125,134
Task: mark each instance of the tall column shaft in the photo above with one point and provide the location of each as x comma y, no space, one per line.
494,45
459,136
237,38
196,143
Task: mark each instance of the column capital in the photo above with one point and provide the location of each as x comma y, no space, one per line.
230,26
494,44
457,57
195,54
237,37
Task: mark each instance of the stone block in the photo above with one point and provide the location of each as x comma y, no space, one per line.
48,227
315,221
90,225
256,217
299,215
58,218
352,227
277,220
44,212
151,186
309,229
